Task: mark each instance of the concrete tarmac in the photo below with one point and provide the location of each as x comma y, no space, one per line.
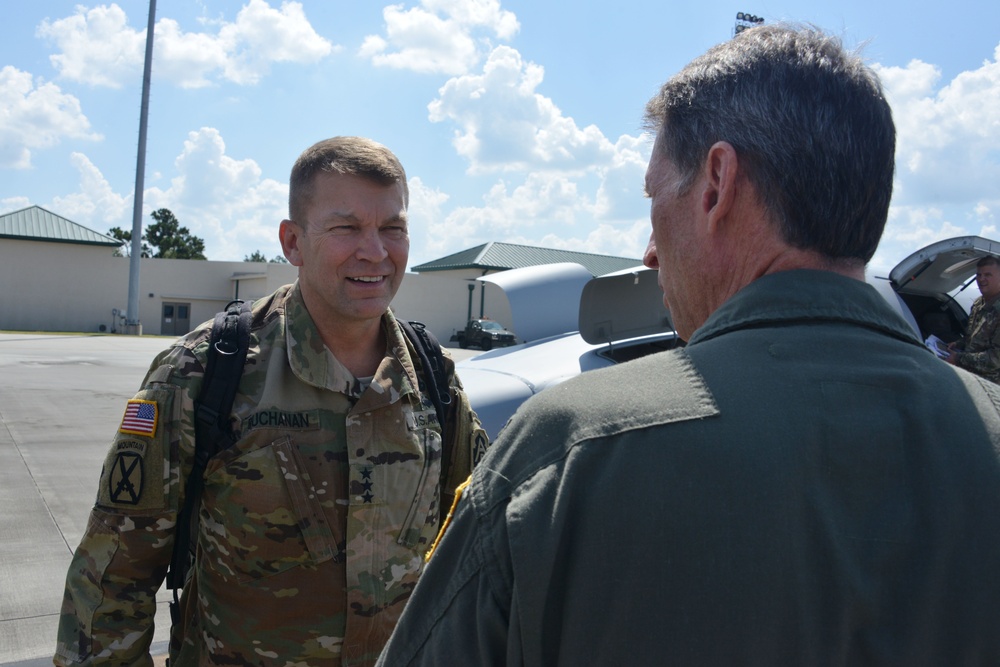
61,400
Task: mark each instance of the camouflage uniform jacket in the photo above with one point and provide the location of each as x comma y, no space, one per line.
312,525
982,341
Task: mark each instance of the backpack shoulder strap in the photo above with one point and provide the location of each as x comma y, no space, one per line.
432,361
434,380
227,353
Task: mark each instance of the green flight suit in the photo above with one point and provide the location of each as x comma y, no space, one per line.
803,484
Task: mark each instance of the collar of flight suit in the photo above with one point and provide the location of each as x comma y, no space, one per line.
802,295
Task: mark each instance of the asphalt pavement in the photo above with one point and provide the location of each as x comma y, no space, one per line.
61,399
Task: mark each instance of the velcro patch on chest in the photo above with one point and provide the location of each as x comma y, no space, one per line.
284,420
420,419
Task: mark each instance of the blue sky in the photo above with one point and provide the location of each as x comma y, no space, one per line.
516,120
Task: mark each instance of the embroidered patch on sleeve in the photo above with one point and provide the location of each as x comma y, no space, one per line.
125,480
140,418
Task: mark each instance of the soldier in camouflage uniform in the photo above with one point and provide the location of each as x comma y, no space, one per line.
314,524
979,352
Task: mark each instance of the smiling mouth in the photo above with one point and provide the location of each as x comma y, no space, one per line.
367,279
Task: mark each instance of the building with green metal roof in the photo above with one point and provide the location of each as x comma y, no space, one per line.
62,276
497,256
38,224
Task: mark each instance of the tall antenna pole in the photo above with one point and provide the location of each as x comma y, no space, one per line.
132,323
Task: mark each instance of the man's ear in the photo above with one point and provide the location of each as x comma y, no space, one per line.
719,196
290,234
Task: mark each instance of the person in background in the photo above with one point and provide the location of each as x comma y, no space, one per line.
979,350
314,523
802,484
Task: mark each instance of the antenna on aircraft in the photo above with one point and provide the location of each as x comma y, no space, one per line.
745,21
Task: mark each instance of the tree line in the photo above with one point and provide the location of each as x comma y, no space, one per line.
165,238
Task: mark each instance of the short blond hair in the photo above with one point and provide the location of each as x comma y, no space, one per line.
358,156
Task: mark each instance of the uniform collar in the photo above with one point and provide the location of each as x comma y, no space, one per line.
991,305
313,363
805,295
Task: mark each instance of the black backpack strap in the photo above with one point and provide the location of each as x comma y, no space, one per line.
434,380
227,353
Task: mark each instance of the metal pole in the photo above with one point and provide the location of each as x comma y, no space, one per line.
132,324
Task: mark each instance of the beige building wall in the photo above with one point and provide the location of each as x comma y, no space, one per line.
57,286
440,299
50,286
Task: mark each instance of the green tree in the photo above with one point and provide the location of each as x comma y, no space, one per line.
126,247
258,256
171,240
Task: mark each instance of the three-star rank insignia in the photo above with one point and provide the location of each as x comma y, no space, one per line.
361,485
367,484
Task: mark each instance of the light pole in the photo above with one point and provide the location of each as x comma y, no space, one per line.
132,323
745,21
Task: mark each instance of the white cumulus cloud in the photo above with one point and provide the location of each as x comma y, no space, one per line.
440,36
262,35
98,46
556,175
947,137
947,160
95,204
224,200
35,115
504,125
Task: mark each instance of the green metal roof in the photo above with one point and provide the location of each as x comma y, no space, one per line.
496,256
36,224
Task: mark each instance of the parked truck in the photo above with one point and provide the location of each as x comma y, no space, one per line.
485,334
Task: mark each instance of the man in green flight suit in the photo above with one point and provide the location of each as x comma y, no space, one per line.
803,484
314,524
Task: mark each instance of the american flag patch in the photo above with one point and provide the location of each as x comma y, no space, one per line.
140,418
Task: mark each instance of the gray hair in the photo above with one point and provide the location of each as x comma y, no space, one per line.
342,155
809,122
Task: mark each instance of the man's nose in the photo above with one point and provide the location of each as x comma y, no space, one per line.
649,257
371,247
